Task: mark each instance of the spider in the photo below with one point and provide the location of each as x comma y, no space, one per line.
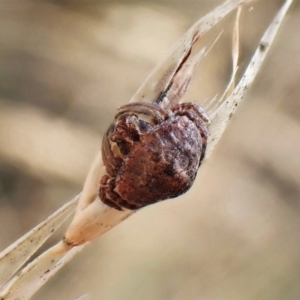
152,153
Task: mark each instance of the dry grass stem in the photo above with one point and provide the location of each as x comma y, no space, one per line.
222,115
92,217
13,257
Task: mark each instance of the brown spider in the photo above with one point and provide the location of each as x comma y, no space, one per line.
151,153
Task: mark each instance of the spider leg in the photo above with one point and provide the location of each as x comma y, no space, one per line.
157,113
107,193
110,197
198,116
111,162
192,106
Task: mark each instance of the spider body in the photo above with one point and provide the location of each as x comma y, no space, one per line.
152,154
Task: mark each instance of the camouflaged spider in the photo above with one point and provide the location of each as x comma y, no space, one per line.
151,153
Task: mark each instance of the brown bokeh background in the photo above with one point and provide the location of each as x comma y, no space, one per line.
65,68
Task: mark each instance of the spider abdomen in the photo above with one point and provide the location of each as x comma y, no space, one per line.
161,166
156,160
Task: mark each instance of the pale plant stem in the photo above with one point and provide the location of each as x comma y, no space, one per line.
222,115
93,217
40,270
13,257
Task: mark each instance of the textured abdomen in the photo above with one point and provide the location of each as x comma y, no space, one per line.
163,165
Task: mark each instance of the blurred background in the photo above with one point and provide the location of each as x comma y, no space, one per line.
66,66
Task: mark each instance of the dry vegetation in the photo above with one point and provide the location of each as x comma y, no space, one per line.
65,68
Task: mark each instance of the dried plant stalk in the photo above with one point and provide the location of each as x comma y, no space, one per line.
164,73
222,115
13,257
177,67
